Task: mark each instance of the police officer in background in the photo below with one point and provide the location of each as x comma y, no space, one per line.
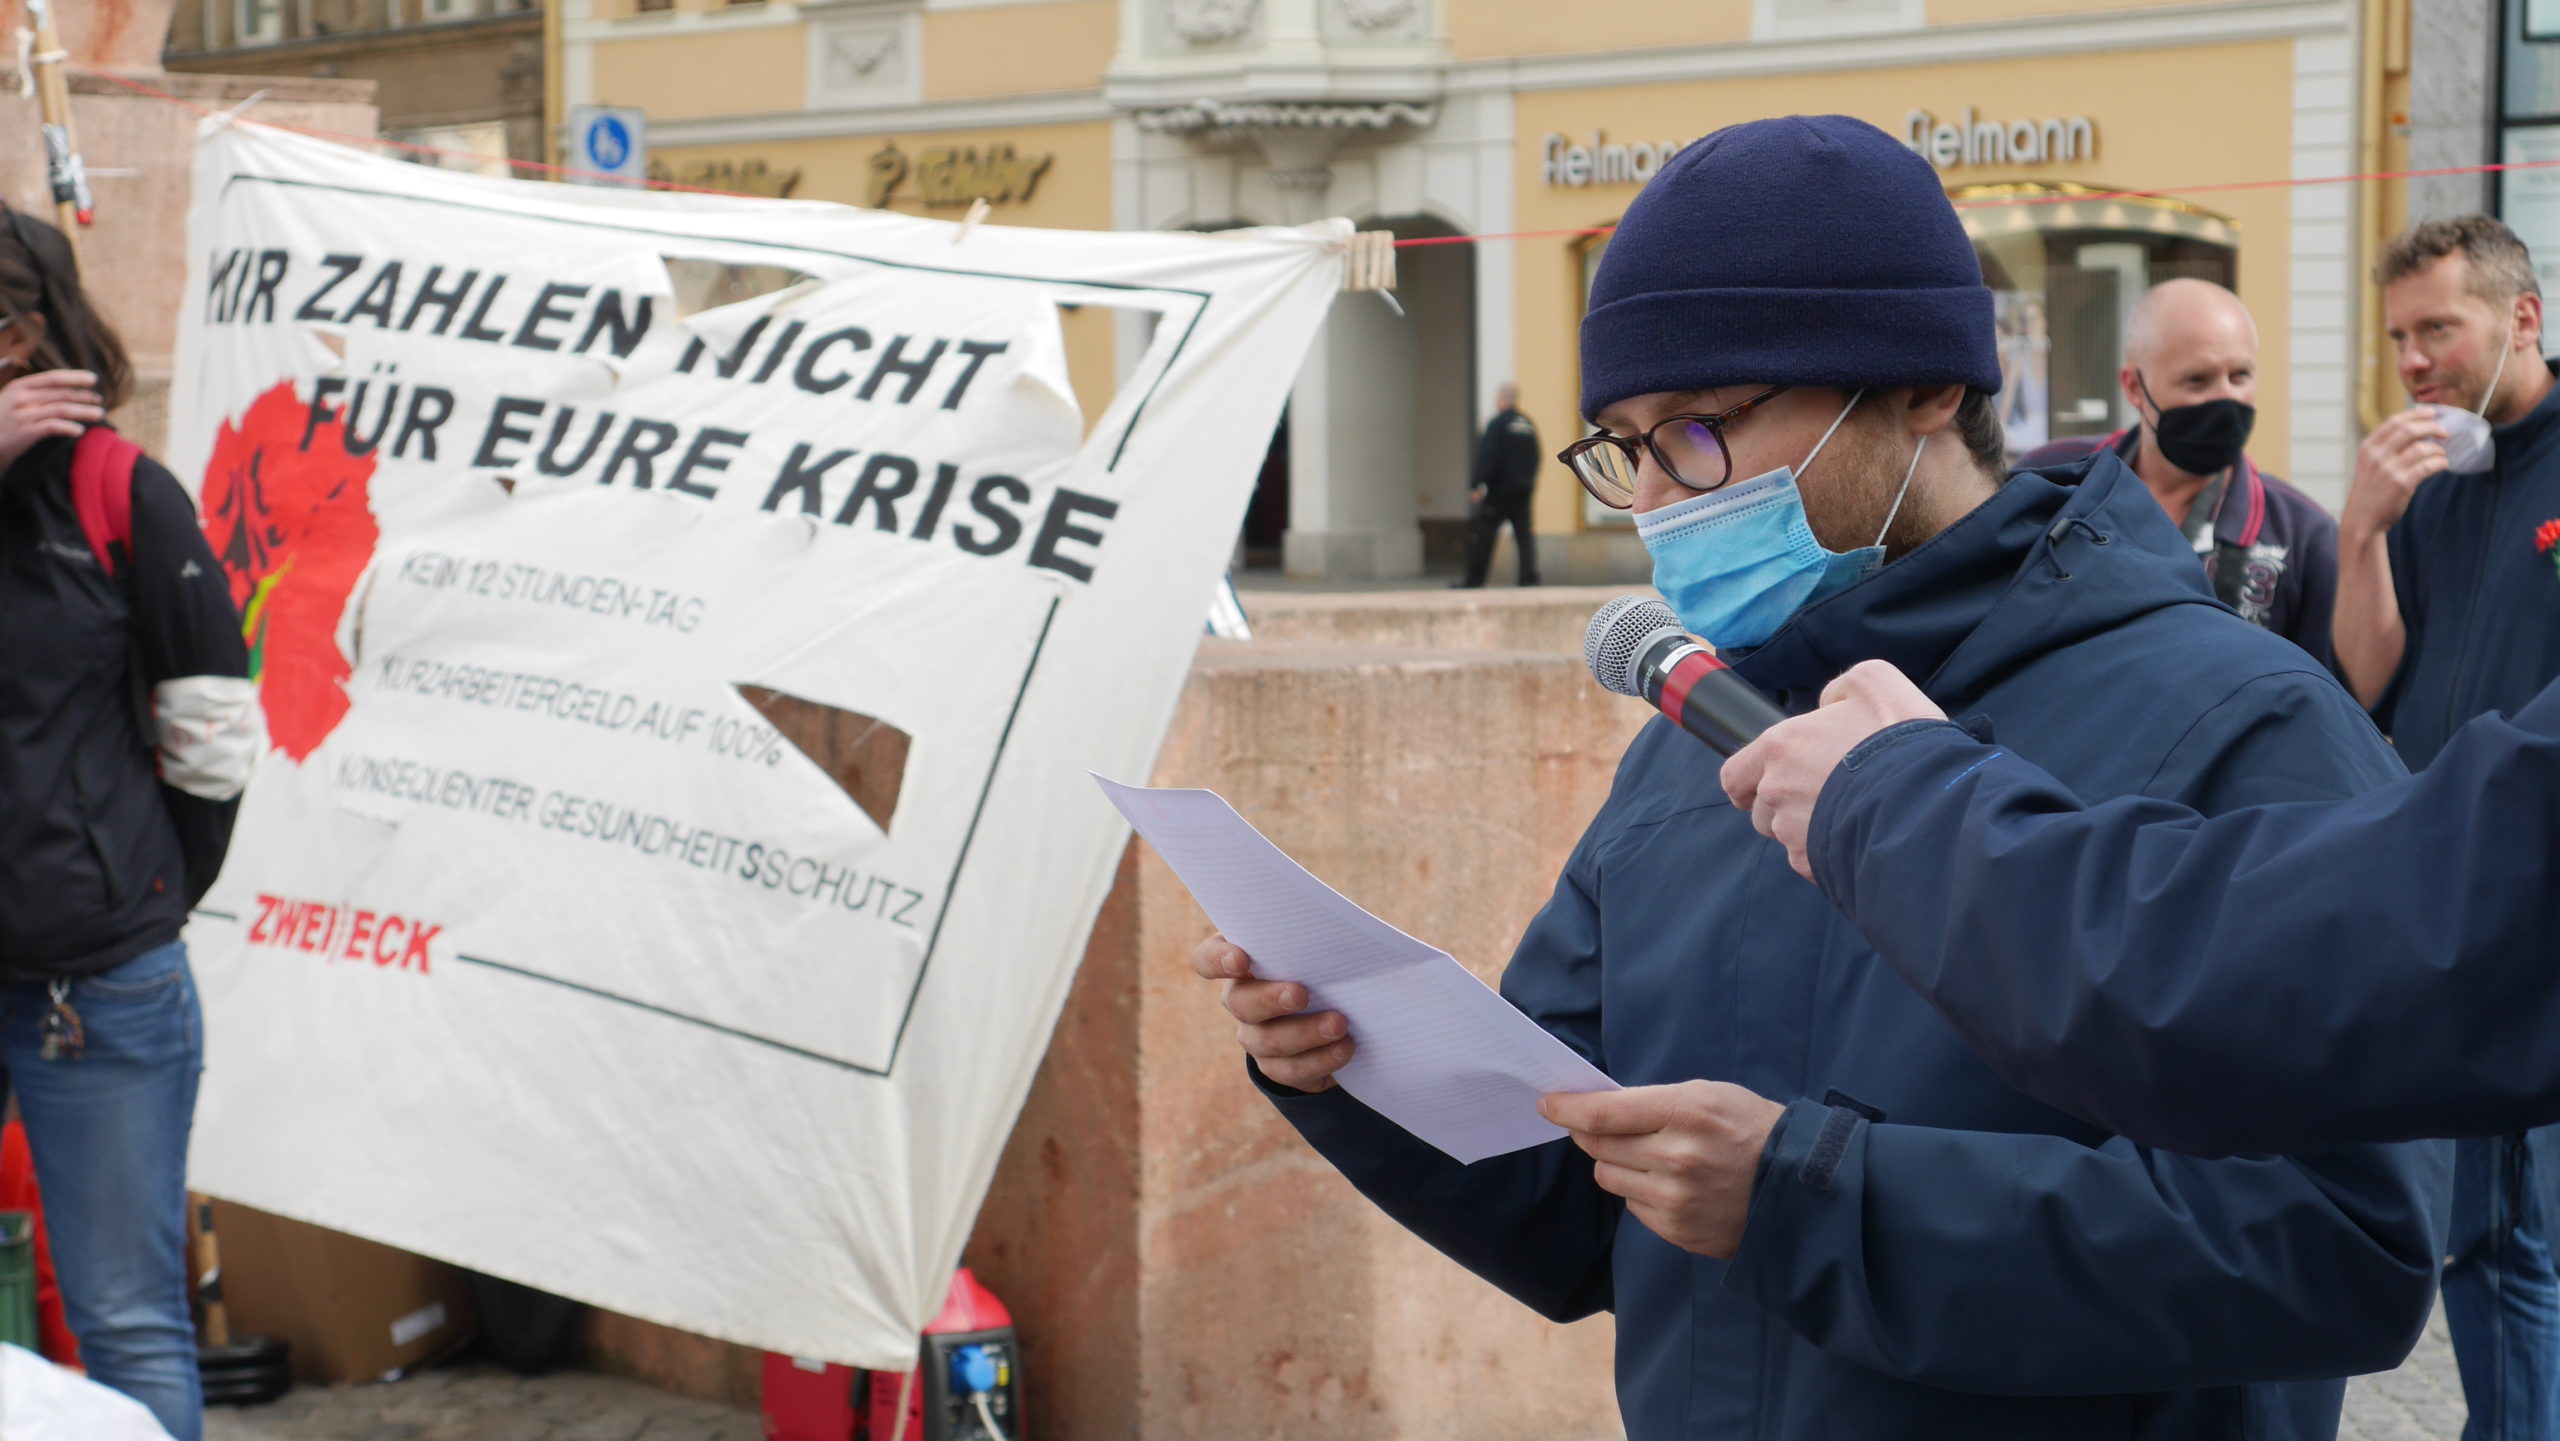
1499,490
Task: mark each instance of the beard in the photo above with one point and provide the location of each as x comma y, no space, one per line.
1855,481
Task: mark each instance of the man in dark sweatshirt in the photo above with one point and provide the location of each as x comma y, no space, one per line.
1814,1213
2449,608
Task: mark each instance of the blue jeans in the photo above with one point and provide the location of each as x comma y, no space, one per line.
108,1127
2501,1291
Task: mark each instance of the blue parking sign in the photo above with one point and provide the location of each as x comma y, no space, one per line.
608,140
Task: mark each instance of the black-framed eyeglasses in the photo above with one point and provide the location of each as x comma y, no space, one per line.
1689,448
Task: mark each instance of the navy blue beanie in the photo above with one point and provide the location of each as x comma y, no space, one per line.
1812,250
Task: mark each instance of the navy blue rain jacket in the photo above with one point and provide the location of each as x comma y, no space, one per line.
2268,979
1968,1263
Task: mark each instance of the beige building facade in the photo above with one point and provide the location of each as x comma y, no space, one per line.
1445,118
461,78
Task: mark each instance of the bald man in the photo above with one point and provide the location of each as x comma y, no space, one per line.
2191,373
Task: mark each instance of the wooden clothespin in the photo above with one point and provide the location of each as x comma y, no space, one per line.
1370,261
1370,264
978,209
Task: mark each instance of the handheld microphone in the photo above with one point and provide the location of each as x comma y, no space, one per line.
1636,647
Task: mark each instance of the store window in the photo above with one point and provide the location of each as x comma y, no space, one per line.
2529,131
2066,264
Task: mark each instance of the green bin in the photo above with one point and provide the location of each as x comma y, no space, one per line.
18,1278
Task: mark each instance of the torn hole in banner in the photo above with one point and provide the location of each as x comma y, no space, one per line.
698,285
865,756
727,308
1088,376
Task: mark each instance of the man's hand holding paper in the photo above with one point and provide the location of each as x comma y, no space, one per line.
1398,1023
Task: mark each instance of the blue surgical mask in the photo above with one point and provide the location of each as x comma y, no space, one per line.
1739,561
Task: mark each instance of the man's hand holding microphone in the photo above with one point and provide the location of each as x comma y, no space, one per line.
1779,777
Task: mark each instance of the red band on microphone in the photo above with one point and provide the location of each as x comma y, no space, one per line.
1685,674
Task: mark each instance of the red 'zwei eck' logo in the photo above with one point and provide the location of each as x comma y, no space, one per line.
287,509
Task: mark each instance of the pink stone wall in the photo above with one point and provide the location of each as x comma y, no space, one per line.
141,155
124,35
1547,618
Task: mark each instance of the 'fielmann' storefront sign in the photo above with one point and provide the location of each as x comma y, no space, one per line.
1948,144
1568,163
1576,165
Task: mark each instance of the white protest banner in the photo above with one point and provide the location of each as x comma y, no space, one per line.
539,949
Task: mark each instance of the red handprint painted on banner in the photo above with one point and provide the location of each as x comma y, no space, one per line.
289,512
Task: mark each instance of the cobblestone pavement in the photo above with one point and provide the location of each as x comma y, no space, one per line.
2421,1401
482,1403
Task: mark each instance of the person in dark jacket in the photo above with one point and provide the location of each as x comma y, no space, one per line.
1500,488
2143,966
2449,608
127,729
1815,1214
2191,372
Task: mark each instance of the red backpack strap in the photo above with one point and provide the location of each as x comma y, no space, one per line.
102,493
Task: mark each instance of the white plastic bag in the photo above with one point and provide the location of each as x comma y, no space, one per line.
40,1401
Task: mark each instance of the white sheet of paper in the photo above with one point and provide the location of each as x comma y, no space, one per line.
1440,1053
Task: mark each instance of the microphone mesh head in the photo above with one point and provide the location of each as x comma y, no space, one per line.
1620,631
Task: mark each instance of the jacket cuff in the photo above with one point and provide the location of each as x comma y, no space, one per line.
1292,1101
1837,831
1810,1169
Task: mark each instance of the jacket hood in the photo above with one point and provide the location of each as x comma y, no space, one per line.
2055,556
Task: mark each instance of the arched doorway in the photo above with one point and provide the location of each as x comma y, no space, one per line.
1382,422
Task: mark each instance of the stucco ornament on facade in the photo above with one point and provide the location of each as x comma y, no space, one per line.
1209,116
1297,139
1210,22
1377,14
855,55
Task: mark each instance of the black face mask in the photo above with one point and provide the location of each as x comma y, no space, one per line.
2202,439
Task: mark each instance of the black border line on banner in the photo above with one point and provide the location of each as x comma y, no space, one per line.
654,1009
1004,738
1136,413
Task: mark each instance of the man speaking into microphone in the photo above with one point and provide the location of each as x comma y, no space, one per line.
1815,1213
